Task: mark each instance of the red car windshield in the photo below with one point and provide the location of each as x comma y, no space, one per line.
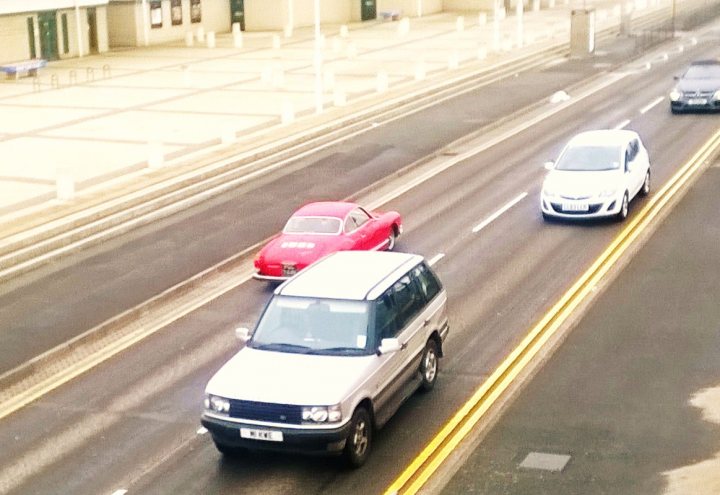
313,225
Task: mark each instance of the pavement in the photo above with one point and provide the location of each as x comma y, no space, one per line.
630,402
87,124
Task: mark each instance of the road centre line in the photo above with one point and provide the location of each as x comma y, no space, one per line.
455,430
436,258
622,124
497,214
214,291
652,105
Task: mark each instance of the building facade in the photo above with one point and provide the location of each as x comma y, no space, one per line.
52,29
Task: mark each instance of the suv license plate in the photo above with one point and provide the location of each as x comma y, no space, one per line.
257,434
575,207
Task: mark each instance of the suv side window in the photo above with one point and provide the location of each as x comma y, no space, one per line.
385,318
429,284
408,299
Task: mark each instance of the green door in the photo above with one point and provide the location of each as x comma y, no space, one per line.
368,10
47,22
237,13
31,36
93,32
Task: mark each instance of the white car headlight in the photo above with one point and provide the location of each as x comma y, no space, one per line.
675,95
217,404
549,191
321,414
606,193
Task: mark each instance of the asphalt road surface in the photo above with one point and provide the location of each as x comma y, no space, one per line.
132,423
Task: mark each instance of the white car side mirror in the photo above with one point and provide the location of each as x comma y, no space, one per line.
242,334
388,346
549,165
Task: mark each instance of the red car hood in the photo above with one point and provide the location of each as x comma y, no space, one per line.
301,249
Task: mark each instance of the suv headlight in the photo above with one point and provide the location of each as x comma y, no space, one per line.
217,404
675,95
321,414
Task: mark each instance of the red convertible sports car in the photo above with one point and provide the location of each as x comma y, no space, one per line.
321,228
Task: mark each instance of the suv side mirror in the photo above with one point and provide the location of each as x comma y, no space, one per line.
549,165
388,346
242,334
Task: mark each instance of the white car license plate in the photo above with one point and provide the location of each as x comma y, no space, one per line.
575,207
258,434
697,101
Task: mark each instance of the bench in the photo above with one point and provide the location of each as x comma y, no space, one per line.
391,15
28,67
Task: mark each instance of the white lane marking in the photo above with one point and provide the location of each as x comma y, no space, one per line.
202,430
436,258
495,215
622,124
652,105
119,492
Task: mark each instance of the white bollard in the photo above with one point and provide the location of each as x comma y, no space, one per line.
328,79
211,39
238,39
287,115
236,28
420,70
189,39
482,19
339,98
200,34
460,24
156,158
403,26
65,186
227,136
482,53
344,31
382,83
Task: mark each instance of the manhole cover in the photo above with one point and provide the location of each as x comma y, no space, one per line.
548,462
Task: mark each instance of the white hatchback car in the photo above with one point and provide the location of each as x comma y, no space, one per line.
597,174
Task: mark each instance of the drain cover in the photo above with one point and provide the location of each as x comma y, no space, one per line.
548,462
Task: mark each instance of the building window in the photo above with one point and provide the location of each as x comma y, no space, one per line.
176,12
156,20
195,11
65,35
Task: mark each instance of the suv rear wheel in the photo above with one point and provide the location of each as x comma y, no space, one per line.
357,447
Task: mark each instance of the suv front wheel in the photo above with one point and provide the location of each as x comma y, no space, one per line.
429,366
357,446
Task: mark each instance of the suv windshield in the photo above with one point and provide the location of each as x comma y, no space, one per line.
589,158
309,325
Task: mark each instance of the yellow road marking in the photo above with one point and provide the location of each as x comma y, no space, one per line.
412,479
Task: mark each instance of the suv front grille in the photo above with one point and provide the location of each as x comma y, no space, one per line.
264,411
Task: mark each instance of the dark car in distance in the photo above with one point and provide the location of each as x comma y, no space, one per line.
698,88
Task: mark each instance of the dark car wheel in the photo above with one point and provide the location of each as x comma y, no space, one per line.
357,446
429,366
624,207
645,190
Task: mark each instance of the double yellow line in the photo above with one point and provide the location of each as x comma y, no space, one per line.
422,468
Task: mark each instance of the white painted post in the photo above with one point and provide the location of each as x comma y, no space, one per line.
536,5
382,81
156,157
460,24
189,39
482,53
238,39
482,19
211,39
200,33
344,31
236,28
65,185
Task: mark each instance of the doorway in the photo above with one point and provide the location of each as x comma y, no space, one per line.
47,22
368,10
92,30
237,13
31,37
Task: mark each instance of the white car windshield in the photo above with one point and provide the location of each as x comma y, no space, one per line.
309,325
703,71
313,225
589,158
